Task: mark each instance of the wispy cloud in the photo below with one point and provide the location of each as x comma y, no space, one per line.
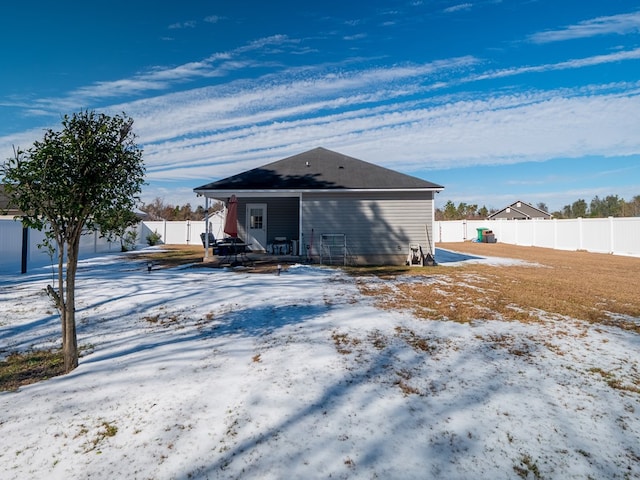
179,25
194,23
363,114
419,112
566,65
162,78
457,8
498,129
405,109
616,24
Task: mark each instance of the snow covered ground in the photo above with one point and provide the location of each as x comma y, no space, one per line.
205,373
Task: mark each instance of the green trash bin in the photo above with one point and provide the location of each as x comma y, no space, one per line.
480,231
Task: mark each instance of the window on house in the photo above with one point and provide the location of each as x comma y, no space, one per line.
256,218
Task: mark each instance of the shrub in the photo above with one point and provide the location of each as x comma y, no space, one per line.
153,238
128,241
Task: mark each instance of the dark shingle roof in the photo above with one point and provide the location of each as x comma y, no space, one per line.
319,169
523,209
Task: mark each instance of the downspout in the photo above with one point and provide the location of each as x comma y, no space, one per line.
206,227
300,222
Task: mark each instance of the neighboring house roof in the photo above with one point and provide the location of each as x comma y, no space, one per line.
519,210
4,204
319,169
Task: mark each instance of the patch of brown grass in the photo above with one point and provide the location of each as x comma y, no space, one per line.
587,286
176,255
630,384
171,255
20,369
418,343
344,343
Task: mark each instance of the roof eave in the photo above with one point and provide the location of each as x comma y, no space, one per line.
296,192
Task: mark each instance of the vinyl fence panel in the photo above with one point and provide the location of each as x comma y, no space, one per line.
619,236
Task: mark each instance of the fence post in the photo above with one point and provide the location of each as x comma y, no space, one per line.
611,236
25,249
580,234
164,231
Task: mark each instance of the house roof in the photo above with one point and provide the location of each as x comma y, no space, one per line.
4,204
319,169
523,209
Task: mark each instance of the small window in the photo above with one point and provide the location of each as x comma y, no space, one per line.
256,218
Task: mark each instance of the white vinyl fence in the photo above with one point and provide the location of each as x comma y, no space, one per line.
12,237
180,233
620,236
173,233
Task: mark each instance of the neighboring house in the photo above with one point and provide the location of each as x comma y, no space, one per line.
319,200
5,211
520,211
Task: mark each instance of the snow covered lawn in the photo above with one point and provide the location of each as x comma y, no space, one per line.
204,373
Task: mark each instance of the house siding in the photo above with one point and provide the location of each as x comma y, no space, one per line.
283,216
379,226
510,215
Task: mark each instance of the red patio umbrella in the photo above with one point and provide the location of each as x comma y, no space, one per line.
231,221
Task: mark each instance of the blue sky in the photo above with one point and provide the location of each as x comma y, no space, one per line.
497,100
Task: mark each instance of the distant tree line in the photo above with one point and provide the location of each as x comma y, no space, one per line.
462,211
609,206
158,210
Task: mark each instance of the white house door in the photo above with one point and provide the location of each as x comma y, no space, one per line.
257,225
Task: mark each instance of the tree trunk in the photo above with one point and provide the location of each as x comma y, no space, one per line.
69,338
60,299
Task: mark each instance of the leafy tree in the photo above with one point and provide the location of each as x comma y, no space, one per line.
466,211
610,206
613,206
579,208
632,208
596,208
450,211
158,210
78,180
118,226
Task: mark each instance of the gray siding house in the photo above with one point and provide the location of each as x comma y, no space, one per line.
519,211
327,205
5,210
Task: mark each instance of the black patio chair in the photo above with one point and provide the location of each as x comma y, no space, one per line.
212,241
